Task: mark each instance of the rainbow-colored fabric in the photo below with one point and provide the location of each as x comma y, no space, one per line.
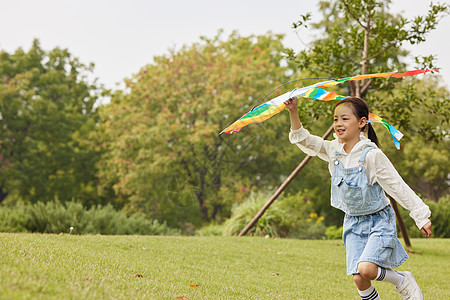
396,135
315,91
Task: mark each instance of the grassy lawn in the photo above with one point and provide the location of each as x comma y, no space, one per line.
35,266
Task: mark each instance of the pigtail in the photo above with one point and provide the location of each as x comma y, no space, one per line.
372,135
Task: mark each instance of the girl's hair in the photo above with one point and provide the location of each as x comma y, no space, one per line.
361,109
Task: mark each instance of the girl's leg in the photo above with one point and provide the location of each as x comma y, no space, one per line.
365,288
368,270
371,271
404,282
367,273
361,283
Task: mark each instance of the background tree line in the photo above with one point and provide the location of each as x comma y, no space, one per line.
154,150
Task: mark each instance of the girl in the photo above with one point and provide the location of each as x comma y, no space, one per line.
360,173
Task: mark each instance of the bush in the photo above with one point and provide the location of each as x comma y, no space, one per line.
55,217
210,230
270,223
334,233
290,216
440,218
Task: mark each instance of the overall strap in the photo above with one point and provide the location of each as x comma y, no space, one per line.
363,155
337,155
337,167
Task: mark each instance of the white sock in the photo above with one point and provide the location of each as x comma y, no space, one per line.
391,276
369,294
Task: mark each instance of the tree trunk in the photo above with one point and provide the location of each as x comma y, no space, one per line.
3,195
400,222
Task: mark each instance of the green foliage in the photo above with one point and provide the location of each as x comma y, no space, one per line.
362,34
424,156
46,114
362,37
334,232
302,219
163,154
210,230
55,217
155,148
289,216
440,219
272,223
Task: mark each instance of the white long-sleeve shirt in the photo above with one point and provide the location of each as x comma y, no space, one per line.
378,168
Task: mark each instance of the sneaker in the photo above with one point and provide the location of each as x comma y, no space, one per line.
409,288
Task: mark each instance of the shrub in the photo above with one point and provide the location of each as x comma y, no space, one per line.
270,223
334,232
440,218
210,230
290,216
14,219
55,217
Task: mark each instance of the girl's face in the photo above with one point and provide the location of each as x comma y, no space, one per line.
346,125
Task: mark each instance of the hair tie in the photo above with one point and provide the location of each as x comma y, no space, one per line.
369,122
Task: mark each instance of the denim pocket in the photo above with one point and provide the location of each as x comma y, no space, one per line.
386,247
352,196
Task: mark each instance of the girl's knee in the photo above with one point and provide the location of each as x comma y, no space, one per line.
361,283
368,270
358,279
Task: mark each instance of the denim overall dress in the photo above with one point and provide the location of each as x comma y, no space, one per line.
369,230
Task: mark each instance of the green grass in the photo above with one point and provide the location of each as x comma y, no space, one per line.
36,266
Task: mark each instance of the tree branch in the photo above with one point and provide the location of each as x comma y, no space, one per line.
381,52
352,88
353,16
366,86
365,58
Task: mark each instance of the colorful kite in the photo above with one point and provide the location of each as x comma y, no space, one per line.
316,91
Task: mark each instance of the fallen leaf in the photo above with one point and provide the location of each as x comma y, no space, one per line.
194,286
183,298
138,275
275,274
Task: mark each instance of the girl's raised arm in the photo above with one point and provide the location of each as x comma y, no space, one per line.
291,104
308,143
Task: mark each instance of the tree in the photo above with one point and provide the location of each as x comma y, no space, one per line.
46,113
362,37
163,152
424,159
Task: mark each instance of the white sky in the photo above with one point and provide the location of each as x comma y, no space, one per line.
120,37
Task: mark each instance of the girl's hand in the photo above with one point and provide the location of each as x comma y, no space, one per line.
291,104
426,229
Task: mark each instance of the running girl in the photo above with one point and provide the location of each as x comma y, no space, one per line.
360,175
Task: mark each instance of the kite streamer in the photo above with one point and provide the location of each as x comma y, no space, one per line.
316,91
396,135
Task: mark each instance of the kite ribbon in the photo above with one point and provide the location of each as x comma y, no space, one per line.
396,135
